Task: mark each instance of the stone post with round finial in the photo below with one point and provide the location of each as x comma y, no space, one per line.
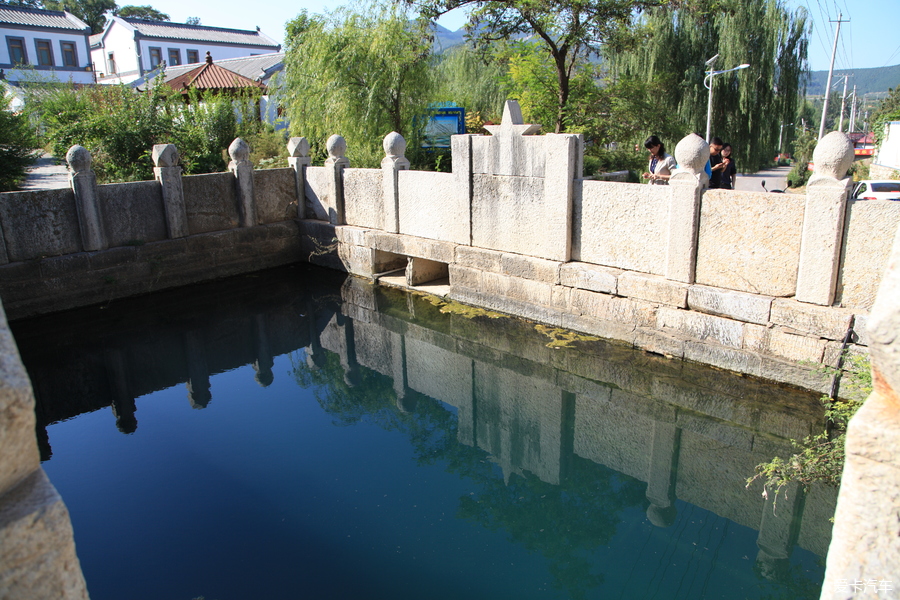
87,205
168,174
298,159
242,168
823,220
686,187
336,163
393,162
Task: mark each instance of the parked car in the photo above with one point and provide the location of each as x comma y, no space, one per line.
876,190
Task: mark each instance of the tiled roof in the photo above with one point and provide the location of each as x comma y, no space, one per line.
257,68
36,17
209,76
199,33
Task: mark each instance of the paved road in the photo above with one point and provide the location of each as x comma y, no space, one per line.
776,179
46,175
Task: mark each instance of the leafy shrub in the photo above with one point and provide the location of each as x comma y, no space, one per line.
16,145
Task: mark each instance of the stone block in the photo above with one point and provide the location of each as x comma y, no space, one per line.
750,241
63,265
723,357
283,229
610,330
320,195
659,342
465,277
750,308
868,233
18,447
20,271
357,260
275,191
609,308
39,223
796,347
426,248
589,277
432,206
422,270
561,297
604,211
786,371
387,242
205,242
824,321
684,225
820,249
348,234
527,267
699,326
860,332
37,546
111,257
479,258
652,288
210,202
364,198
132,211
756,337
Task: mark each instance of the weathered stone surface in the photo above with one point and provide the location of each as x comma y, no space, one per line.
132,212
426,248
422,270
465,277
685,193
652,288
589,277
510,149
620,225
479,258
210,202
40,223
868,233
700,326
348,234
659,342
827,322
527,267
320,198
750,308
750,241
37,548
860,333
432,207
788,371
364,198
820,248
357,259
275,191
756,337
517,288
723,357
609,308
795,346
18,447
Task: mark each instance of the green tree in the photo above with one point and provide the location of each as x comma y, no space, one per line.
569,31
888,110
92,12
16,144
357,74
192,21
473,80
672,45
141,12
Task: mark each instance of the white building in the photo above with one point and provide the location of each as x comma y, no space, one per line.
129,48
889,150
44,44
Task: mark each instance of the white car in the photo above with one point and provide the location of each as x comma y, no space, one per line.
876,190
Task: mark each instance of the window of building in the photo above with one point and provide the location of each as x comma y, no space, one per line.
155,57
174,56
193,56
17,53
44,53
111,60
69,54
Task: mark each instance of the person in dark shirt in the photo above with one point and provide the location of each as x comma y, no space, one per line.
729,171
715,163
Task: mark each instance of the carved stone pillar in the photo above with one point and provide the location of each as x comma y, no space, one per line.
298,159
336,162
87,202
685,191
242,168
393,162
168,174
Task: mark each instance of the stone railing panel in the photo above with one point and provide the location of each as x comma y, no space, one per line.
750,241
274,190
210,202
39,223
605,211
132,212
320,197
868,232
432,207
364,198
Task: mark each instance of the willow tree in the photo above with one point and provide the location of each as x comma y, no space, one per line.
357,74
473,80
749,105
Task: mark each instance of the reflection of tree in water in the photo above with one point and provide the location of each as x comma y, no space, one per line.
562,522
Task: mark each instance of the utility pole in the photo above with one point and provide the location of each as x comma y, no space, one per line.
843,103
853,111
837,33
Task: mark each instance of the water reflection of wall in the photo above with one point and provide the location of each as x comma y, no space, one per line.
690,433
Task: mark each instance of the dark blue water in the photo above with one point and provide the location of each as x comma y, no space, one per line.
292,435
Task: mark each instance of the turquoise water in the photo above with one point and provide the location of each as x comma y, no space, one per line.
296,435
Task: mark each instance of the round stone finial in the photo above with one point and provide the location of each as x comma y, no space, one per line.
79,159
336,146
298,147
394,145
833,155
239,150
691,153
165,155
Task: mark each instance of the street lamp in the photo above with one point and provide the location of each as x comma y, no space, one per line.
708,84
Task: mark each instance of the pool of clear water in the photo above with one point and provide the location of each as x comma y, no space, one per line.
295,433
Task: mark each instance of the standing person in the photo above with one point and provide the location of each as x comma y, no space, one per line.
715,163
661,164
729,171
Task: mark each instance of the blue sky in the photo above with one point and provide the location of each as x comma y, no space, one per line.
868,40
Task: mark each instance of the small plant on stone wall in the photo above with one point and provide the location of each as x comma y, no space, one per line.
820,457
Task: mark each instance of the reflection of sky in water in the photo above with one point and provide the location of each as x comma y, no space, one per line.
402,465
